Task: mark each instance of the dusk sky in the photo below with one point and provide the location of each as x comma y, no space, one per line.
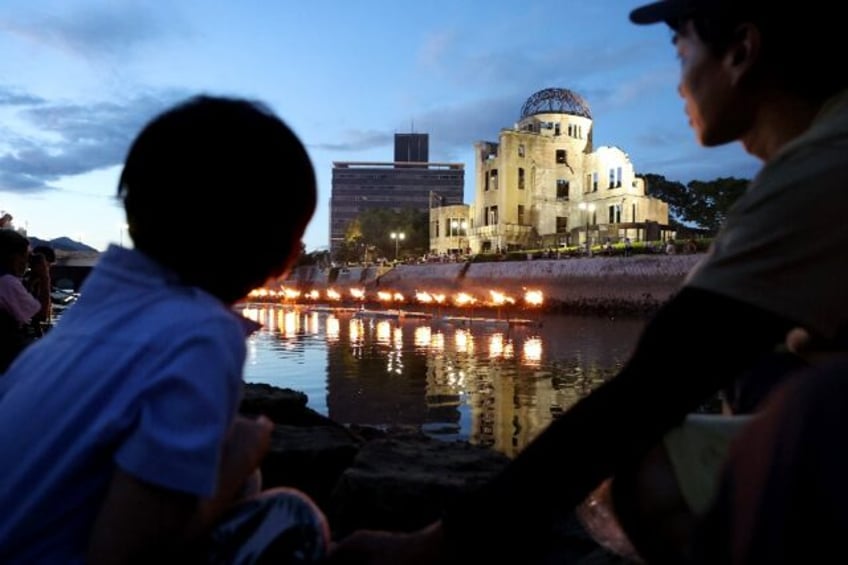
79,78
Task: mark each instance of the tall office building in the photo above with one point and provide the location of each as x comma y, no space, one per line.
412,147
360,186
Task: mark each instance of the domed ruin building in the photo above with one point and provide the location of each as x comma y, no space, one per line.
543,184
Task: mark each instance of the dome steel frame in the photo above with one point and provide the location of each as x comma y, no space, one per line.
556,101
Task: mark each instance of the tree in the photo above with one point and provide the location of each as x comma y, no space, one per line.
699,203
711,200
370,232
320,258
671,192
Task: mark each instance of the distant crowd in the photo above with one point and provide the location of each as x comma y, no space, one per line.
25,291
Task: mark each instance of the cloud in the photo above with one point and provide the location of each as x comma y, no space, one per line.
13,97
574,66
451,128
358,140
73,139
108,30
665,139
454,129
498,81
626,93
435,48
704,164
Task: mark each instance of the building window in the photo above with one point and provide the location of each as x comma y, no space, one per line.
556,128
634,214
570,130
594,182
562,224
520,178
486,182
611,178
521,214
588,186
615,214
493,178
457,227
434,229
493,215
618,177
521,150
562,189
561,157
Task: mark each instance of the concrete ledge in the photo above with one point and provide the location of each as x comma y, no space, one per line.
641,282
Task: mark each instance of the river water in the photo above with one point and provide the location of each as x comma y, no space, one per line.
486,381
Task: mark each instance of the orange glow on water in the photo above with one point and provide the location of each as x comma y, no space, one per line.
333,329
533,351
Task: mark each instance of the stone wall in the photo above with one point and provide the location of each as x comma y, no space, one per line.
639,282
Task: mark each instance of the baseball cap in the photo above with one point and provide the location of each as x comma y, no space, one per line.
677,10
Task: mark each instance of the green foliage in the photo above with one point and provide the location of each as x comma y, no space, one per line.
368,237
320,258
704,204
350,251
671,192
713,199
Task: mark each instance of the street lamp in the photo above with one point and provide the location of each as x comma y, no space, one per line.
458,230
398,237
589,209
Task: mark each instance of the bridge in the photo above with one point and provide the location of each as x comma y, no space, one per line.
71,268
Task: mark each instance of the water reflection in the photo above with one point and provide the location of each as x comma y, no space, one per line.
494,384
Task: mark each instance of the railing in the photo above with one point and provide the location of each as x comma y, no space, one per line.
504,230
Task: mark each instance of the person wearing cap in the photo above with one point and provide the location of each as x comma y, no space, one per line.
748,74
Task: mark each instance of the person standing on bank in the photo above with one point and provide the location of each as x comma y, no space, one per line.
119,435
747,74
17,305
39,284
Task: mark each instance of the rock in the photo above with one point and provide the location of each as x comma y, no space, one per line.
311,459
397,480
363,477
281,405
406,483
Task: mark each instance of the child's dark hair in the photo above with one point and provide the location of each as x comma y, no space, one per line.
226,179
12,244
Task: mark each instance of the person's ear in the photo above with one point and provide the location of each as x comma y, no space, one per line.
743,52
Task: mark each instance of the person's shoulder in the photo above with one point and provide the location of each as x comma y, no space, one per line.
198,316
11,283
819,150
803,176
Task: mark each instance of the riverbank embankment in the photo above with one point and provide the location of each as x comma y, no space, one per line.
604,285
